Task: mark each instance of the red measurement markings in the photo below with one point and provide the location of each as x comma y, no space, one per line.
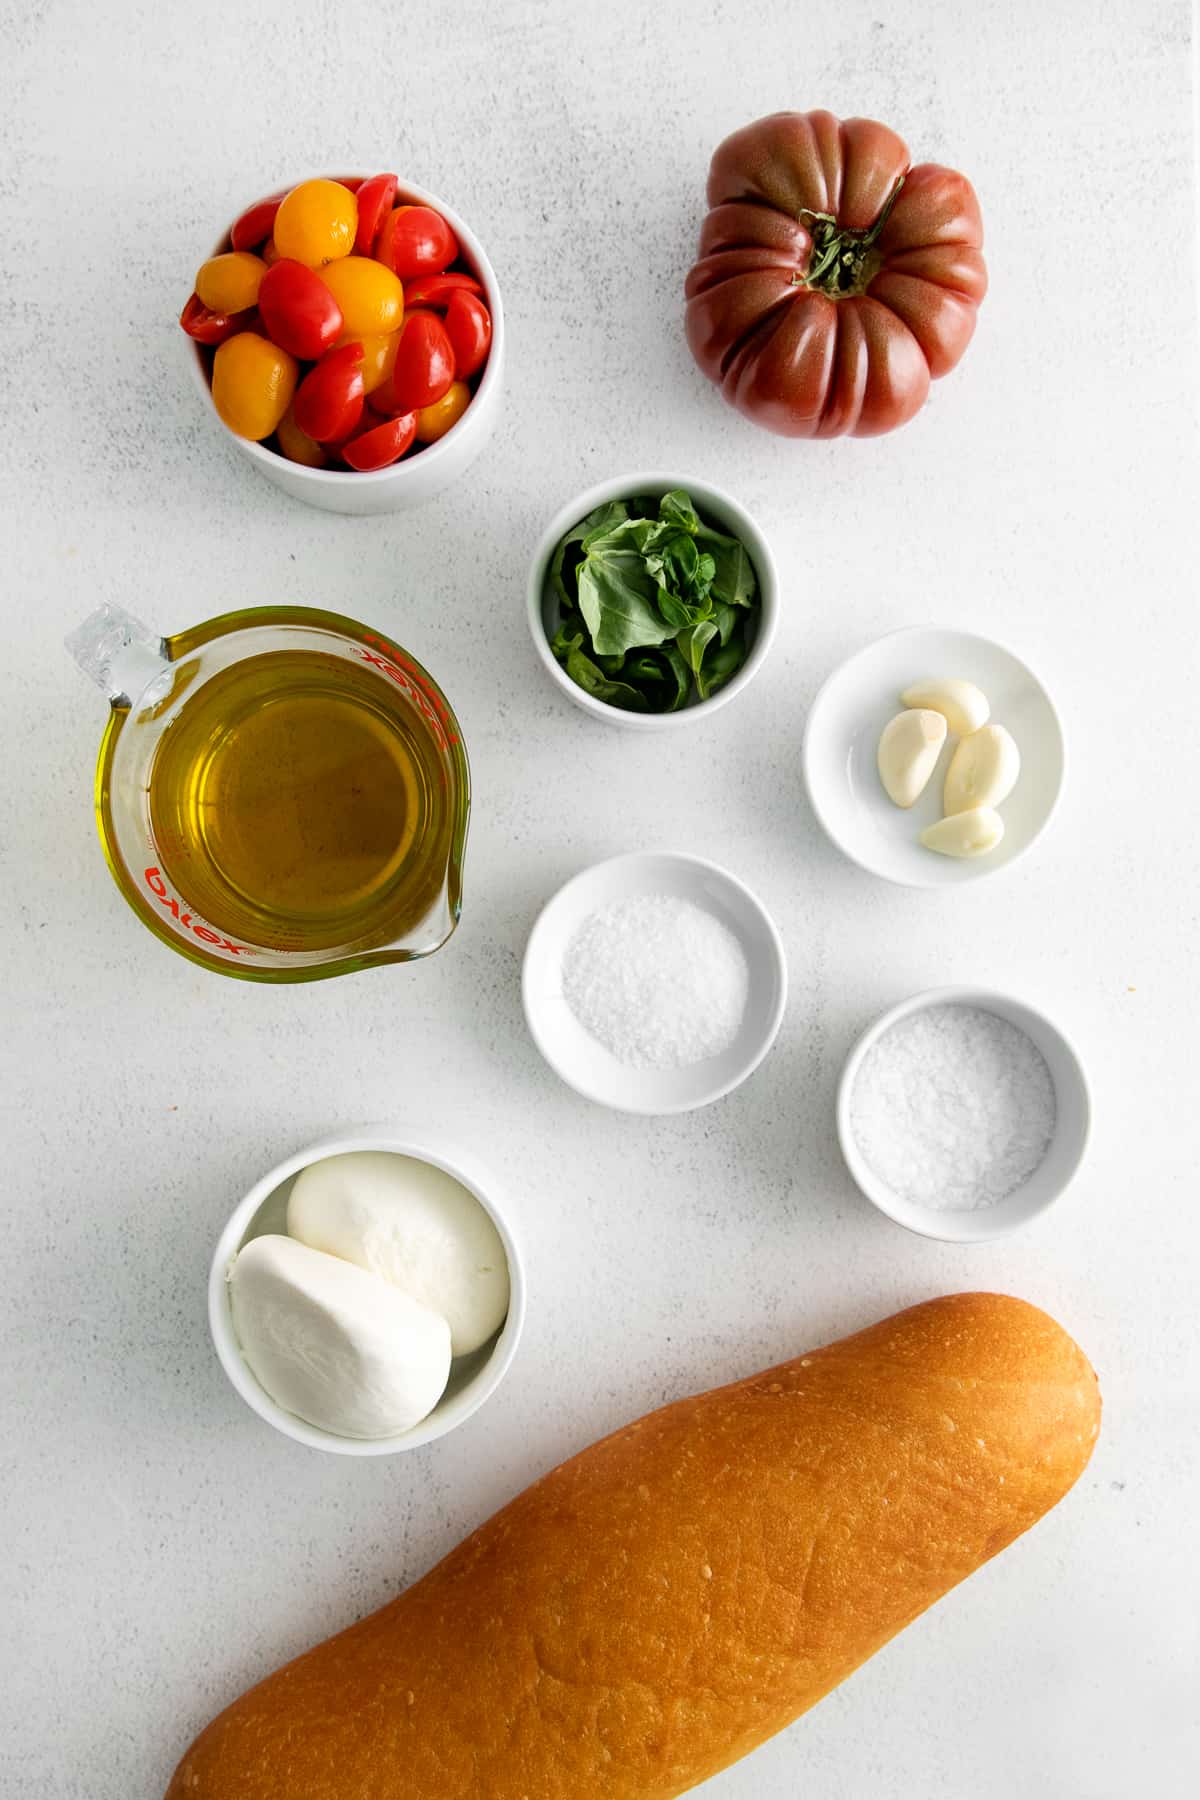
412,681
206,934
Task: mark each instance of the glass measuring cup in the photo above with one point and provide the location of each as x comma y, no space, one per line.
403,786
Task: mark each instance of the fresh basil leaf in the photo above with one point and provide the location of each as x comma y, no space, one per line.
682,675
639,534
663,598
567,557
617,599
725,618
568,648
720,667
676,612
734,580
676,509
694,642
663,676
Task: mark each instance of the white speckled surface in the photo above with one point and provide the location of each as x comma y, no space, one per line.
163,1547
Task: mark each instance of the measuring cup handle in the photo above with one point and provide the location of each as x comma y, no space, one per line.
120,654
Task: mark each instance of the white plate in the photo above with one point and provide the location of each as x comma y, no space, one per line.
842,737
583,1062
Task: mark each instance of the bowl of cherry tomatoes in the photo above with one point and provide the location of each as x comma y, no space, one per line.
348,333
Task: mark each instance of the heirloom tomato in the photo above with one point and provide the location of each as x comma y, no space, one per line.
835,280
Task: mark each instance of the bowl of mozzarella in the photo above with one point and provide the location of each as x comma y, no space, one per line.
367,1295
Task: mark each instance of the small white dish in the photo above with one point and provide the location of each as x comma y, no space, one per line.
417,477
842,737
587,1065
712,503
1053,1174
264,1209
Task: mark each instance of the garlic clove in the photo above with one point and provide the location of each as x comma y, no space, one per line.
983,770
971,833
963,706
909,747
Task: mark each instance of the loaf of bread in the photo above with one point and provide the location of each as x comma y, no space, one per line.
658,1606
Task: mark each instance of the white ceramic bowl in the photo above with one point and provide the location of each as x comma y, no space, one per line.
420,475
712,502
1052,1176
842,737
472,1378
583,1062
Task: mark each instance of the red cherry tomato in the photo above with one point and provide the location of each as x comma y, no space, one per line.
351,183
415,240
210,327
254,226
469,328
329,401
423,369
375,199
435,290
298,310
383,444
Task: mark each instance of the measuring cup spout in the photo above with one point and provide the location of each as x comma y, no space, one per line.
120,654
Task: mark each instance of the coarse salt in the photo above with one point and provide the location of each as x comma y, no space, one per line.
953,1108
658,980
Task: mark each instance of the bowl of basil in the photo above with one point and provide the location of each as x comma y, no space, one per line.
652,598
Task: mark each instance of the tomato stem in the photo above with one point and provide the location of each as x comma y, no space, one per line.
840,254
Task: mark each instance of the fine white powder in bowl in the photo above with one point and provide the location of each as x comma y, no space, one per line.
659,981
953,1108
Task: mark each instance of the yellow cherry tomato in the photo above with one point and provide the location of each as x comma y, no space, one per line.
435,421
316,223
297,446
379,357
230,283
370,296
253,381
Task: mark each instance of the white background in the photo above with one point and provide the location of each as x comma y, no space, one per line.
163,1548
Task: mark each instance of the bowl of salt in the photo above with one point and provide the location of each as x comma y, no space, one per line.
963,1114
654,983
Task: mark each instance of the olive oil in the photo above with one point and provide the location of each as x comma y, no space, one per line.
299,802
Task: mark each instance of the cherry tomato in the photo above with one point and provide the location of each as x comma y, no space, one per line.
329,401
229,283
254,226
370,296
298,309
375,199
469,328
316,223
379,358
435,421
269,253
210,327
415,240
351,183
253,381
424,366
297,446
435,290
383,444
